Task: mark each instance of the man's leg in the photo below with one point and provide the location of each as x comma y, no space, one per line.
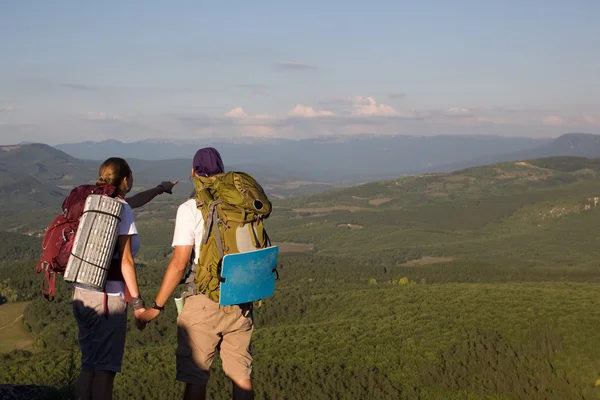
236,353
197,341
242,389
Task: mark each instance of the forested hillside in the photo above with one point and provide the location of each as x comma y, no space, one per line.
478,284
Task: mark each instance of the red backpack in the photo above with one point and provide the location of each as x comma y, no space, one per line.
60,235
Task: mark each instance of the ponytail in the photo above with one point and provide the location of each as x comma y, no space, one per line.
113,171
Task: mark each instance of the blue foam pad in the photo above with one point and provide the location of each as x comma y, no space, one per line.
248,276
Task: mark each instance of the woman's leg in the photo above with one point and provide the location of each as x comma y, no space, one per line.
83,387
194,392
86,317
102,387
102,342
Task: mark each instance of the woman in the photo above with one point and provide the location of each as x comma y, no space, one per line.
102,316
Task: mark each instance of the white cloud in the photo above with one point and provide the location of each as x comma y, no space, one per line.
7,108
305,111
591,120
348,115
458,112
240,114
359,114
553,120
100,116
236,112
369,106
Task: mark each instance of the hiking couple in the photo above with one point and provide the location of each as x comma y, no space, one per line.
203,325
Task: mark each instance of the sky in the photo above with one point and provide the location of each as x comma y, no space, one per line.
73,71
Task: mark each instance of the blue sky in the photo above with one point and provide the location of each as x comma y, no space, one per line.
74,70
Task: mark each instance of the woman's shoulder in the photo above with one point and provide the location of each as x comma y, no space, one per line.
125,203
127,210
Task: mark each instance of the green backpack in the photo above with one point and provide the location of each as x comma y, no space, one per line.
234,206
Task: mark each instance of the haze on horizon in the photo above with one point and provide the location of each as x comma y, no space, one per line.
74,71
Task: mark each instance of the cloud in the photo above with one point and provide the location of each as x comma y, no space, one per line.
553,120
99,117
240,113
79,87
293,66
305,111
236,112
458,112
591,120
7,109
347,115
369,106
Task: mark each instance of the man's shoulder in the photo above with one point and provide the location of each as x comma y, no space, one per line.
189,207
189,204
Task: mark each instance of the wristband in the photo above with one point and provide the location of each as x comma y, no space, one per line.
157,307
137,303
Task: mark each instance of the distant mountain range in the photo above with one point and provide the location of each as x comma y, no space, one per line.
349,160
346,159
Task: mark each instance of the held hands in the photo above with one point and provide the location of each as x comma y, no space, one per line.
149,315
168,186
139,323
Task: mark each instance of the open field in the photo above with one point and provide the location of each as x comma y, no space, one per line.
294,247
14,335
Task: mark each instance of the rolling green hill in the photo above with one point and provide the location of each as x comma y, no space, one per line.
474,213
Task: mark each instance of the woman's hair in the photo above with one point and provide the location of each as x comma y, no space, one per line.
113,171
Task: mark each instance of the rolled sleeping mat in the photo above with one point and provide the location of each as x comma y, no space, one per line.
95,241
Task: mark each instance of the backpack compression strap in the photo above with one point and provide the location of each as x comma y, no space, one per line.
49,293
212,222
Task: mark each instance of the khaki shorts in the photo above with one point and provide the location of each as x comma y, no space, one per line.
203,328
102,340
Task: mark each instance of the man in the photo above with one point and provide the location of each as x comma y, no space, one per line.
203,325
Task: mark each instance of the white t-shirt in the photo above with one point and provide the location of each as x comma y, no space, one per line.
128,227
189,227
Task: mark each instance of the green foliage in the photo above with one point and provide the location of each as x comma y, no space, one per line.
480,284
15,246
488,363
18,280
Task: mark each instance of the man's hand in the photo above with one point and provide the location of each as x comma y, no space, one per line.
168,186
138,321
149,315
